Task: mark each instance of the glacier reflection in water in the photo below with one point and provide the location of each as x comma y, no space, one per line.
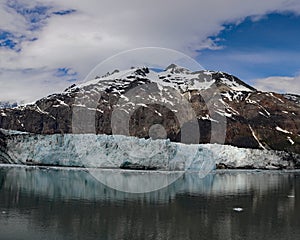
75,183
49,203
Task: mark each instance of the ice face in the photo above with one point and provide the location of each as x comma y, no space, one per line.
110,151
104,151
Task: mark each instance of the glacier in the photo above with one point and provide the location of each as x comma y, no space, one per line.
111,151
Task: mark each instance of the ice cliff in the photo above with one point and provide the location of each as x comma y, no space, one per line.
111,151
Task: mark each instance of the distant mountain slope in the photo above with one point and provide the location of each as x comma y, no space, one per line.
254,119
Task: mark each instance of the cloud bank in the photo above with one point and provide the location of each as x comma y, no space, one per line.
49,35
279,84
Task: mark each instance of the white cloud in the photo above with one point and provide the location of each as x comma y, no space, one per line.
10,20
31,84
99,29
279,84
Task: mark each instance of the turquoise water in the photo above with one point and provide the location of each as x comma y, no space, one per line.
46,203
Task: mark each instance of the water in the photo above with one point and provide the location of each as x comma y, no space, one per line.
71,204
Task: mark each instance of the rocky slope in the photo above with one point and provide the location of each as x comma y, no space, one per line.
253,119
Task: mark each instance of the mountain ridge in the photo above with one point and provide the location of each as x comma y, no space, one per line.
254,119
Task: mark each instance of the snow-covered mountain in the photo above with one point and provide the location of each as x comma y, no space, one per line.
253,119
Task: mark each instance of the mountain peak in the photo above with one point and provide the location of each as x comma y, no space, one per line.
173,76
173,68
142,71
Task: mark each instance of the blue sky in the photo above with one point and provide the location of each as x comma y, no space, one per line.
44,46
258,48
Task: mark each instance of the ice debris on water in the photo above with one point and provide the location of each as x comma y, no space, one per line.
238,209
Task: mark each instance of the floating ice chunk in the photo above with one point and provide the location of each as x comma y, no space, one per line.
238,209
291,196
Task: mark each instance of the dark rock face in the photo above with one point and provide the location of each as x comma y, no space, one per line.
136,166
254,119
3,149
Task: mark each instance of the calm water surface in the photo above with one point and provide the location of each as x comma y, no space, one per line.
71,204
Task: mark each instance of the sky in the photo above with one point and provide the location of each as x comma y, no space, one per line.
45,46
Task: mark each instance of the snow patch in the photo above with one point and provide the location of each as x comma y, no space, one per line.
62,103
235,86
280,100
207,117
282,130
256,138
158,113
290,140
